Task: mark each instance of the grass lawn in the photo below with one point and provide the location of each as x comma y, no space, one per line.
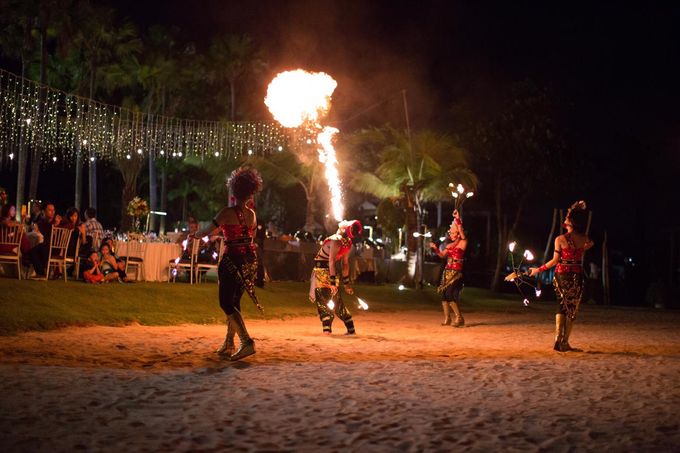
39,305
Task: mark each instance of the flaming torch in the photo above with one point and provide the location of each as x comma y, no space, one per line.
301,99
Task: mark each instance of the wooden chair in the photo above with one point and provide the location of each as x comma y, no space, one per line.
203,268
134,257
10,246
58,250
176,265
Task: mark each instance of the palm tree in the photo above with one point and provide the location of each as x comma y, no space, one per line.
231,58
16,42
285,170
99,44
411,172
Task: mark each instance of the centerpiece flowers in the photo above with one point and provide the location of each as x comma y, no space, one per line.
137,208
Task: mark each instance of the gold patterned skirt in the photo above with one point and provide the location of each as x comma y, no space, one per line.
451,285
569,291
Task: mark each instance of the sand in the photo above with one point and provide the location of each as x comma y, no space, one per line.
404,383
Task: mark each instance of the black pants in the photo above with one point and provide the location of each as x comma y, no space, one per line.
231,289
39,256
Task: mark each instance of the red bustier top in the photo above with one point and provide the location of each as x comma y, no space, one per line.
238,238
454,258
571,258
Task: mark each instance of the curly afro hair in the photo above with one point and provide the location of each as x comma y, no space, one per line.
244,182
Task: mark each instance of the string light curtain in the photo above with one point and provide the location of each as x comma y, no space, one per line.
60,125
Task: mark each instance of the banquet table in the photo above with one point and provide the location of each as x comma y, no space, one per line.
156,256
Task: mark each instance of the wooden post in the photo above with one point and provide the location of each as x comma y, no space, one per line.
590,218
605,271
550,236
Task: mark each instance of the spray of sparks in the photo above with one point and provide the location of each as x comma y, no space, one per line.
301,98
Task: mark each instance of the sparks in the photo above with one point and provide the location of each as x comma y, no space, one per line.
528,255
328,158
401,287
205,238
526,302
331,304
538,292
184,244
511,246
363,305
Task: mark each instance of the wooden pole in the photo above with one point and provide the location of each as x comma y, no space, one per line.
605,271
590,218
550,236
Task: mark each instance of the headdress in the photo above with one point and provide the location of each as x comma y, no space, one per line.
350,228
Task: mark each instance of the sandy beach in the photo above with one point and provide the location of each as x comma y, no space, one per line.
403,383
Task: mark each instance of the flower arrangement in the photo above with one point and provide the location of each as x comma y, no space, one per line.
137,207
3,196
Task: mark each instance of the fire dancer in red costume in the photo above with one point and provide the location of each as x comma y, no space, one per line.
238,267
568,280
451,285
325,280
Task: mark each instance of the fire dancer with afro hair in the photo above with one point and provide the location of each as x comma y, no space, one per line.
568,280
325,281
238,267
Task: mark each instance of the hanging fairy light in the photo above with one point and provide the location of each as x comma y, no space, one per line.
56,123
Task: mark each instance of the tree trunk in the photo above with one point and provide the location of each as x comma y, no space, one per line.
79,177
232,93
153,191
164,197
36,152
22,160
411,242
129,192
310,213
500,253
93,160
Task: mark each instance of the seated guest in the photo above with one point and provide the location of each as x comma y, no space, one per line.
40,253
7,219
93,229
91,271
36,213
110,264
73,223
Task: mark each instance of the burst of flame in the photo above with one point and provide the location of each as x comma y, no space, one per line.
205,238
331,304
511,246
460,188
177,260
538,292
469,194
362,304
297,97
300,98
184,244
215,255
528,255
526,302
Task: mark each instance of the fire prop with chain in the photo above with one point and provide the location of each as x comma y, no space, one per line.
519,277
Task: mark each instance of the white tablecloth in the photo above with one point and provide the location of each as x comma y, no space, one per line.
156,257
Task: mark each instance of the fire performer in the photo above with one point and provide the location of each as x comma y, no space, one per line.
568,280
238,267
325,280
451,285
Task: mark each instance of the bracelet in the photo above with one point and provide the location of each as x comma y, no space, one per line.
543,268
333,280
